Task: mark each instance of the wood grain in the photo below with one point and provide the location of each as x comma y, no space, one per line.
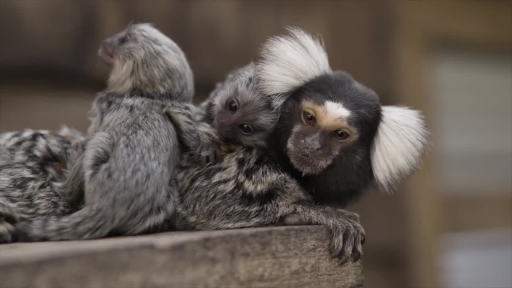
293,256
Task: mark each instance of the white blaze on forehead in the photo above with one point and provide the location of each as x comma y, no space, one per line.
334,112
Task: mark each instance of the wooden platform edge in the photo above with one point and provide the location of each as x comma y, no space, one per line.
292,256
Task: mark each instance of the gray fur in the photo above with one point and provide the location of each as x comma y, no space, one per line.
248,189
149,62
32,159
28,144
253,108
132,149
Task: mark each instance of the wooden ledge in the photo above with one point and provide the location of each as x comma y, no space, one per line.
292,256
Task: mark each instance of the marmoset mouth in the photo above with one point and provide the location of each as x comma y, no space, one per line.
304,163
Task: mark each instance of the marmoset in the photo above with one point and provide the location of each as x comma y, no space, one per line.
131,148
239,112
333,135
248,188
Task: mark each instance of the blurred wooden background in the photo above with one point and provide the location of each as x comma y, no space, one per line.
49,73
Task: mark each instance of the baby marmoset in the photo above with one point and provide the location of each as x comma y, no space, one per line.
131,148
239,110
236,109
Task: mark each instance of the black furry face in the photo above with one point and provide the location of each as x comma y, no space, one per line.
326,118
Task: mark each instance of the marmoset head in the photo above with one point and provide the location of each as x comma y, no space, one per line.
330,116
145,60
239,111
331,126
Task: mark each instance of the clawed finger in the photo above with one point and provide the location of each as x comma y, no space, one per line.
344,259
357,251
348,245
336,245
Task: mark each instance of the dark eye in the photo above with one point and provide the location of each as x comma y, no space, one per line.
341,134
309,118
246,129
124,39
232,105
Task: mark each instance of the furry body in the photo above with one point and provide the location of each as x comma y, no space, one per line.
30,161
249,189
131,149
28,144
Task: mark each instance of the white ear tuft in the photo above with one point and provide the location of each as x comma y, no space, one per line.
290,61
398,145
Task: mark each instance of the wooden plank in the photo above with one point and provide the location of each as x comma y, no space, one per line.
257,257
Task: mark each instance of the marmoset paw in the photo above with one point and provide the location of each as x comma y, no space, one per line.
347,238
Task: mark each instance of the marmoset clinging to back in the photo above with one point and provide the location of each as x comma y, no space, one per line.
131,149
239,112
238,109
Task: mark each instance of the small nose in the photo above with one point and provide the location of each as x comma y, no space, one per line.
314,143
224,131
222,122
108,47
224,128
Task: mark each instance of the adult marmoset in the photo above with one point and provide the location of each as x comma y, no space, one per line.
333,136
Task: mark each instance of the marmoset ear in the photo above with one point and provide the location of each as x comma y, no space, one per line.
288,62
398,146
